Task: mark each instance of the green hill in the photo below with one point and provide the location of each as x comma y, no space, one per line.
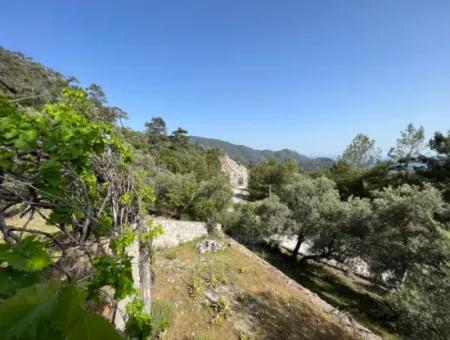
31,82
246,154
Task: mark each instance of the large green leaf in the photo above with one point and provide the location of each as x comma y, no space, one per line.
24,315
49,312
11,280
27,255
26,141
51,172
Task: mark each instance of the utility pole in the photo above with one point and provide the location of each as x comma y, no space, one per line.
270,190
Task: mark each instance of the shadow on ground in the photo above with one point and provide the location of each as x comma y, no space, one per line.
365,303
276,318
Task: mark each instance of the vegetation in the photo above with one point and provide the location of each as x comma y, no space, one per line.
246,155
388,216
63,160
248,299
73,172
269,177
77,188
361,152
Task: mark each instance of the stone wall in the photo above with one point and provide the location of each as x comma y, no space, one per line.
177,232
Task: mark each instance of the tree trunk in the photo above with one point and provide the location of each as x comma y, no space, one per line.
145,270
300,240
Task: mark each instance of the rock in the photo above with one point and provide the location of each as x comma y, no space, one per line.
237,173
211,296
207,246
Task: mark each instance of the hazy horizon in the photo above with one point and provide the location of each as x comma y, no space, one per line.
306,76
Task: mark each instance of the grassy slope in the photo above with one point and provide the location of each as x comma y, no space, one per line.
262,305
347,293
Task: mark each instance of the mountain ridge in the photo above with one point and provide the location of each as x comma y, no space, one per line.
246,154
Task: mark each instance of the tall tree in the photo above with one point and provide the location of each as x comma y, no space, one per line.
361,152
156,127
438,169
409,146
179,138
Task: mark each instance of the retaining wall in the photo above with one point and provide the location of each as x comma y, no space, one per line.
177,232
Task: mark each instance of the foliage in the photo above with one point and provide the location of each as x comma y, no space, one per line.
422,305
311,202
361,152
348,179
69,167
221,309
29,255
21,77
251,157
356,181
182,195
438,167
156,130
409,145
212,197
270,177
51,312
405,227
141,325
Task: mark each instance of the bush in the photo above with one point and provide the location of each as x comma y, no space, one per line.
142,325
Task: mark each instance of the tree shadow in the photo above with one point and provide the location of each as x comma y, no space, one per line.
364,303
276,318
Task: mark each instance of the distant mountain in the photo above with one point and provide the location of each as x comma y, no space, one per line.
246,154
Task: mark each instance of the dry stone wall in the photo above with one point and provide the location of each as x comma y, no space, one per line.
177,232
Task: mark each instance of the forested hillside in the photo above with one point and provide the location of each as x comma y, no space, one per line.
93,185
22,78
247,155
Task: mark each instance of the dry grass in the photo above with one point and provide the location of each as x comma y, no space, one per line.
349,293
254,303
37,222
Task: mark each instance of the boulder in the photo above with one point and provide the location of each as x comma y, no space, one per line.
207,246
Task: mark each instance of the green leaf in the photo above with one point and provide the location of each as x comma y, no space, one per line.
24,315
61,215
27,255
26,140
51,312
11,280
71,317
51,172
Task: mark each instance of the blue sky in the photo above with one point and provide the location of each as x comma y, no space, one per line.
306,75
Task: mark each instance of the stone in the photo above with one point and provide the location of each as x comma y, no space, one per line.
207,246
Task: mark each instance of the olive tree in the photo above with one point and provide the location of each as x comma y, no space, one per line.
422,304
313,203
270,177
342,231
260,221
405,235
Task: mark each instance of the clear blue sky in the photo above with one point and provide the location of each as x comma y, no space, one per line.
306,75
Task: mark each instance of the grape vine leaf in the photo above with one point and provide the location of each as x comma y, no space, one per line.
26,255
11,280
50,312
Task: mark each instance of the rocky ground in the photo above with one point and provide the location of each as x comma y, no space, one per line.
230,293
237,173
